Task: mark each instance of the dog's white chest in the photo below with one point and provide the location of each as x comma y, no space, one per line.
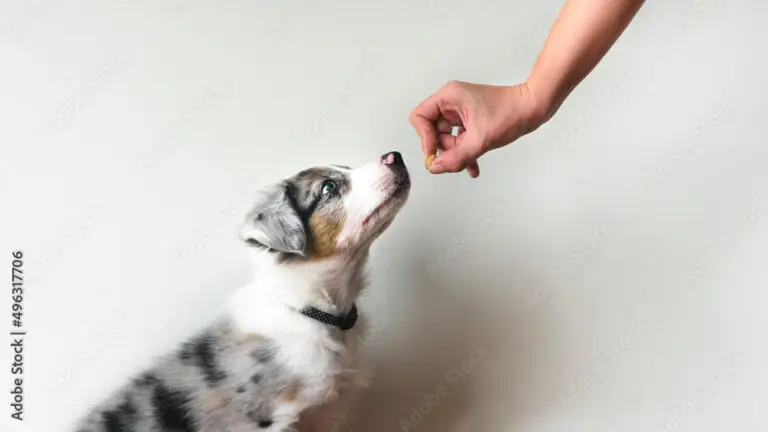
336,378
330,370
326,364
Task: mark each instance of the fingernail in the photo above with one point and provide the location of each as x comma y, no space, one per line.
428,161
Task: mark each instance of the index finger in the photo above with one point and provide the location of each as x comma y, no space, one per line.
424,119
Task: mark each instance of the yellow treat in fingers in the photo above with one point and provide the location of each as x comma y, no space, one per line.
428,161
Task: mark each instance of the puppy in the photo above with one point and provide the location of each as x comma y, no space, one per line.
286,355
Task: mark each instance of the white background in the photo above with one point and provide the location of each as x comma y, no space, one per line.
608,271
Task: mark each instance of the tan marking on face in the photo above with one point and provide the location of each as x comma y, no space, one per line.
292,392
325,232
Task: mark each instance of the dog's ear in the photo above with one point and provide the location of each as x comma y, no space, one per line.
274,223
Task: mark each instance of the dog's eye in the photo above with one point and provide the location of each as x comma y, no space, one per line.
329,187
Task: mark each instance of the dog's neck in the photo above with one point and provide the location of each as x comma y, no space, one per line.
279,289
330,284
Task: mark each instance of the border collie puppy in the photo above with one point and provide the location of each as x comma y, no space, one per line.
286,355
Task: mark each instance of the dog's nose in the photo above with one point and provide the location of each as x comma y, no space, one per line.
392,158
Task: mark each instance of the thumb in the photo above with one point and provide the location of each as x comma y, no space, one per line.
454,160
460,156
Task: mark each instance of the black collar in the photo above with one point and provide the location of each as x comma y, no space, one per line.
344,322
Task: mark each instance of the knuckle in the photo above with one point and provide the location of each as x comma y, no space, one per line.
417,122
452,85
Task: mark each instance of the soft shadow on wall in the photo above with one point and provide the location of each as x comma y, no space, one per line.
449,342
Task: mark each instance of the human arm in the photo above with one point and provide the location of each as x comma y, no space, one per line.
494,116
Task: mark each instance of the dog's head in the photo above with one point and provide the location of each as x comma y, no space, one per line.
323,212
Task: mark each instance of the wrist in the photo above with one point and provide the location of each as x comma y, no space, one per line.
546,96
525,111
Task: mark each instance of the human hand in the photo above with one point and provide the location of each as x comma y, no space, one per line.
488,117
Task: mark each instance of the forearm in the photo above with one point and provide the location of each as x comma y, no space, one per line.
583,32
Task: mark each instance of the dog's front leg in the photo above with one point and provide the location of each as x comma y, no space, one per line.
331,416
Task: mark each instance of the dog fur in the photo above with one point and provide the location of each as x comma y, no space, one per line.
263,366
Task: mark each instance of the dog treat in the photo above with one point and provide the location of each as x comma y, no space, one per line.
428,161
